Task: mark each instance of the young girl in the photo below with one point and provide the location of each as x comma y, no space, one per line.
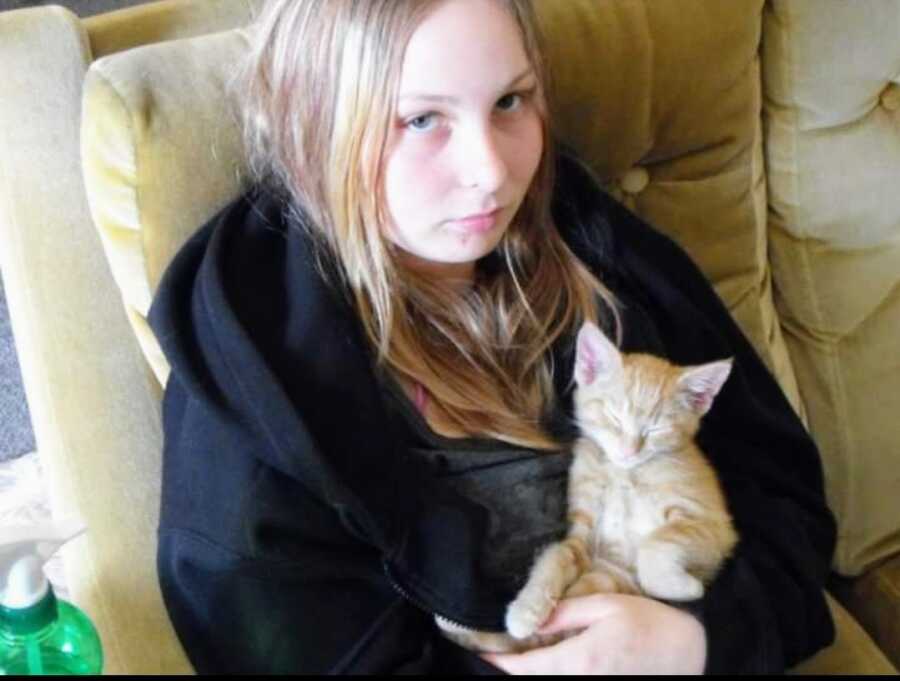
368,421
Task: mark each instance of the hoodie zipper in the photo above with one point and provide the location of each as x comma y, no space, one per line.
419,604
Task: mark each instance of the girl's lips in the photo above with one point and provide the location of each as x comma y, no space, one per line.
477,223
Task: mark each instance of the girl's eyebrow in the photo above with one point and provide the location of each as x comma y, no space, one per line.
446,99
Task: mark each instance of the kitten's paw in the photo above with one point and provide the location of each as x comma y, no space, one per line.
672,584
661,575
527,613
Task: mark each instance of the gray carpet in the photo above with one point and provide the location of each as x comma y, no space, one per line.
16,437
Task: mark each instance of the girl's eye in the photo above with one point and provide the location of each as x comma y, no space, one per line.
421,123
512,102
417,123
515,100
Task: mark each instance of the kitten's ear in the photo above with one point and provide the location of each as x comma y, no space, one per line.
595,355
698,386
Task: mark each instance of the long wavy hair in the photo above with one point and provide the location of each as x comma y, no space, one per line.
317,95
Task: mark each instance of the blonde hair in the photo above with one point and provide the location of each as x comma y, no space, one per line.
317,95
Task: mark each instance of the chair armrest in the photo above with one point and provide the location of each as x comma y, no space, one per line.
93,400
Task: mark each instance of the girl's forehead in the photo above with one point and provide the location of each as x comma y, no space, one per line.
463,47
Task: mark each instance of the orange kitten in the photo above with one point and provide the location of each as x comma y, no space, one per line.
646,511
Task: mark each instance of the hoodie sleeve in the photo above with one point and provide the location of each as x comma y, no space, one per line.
766,611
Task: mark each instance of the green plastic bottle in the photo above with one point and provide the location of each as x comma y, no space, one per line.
40,634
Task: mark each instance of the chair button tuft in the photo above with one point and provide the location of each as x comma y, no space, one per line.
635,180
890,98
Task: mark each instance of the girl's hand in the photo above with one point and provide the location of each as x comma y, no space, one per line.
621,634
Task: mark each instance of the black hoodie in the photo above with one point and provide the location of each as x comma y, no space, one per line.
299,532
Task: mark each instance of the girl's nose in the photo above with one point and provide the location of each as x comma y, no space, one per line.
482,163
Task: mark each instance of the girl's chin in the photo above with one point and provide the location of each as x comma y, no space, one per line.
472,245
456,255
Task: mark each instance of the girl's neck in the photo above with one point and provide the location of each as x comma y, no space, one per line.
461,274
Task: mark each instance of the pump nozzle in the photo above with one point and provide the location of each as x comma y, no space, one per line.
23,551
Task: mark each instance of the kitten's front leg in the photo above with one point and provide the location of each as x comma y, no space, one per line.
562,563
557,567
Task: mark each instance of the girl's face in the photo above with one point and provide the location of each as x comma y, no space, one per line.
467,137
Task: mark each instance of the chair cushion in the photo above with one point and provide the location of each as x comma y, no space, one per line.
832,79
662,100
161,153
874,600
853,650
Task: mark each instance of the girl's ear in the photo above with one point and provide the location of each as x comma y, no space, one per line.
698,386
595,356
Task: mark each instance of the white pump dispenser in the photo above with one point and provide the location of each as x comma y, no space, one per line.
40,634
23,552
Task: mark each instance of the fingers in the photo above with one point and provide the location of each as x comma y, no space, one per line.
621,634
573,655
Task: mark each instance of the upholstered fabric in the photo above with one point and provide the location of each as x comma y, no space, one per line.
154,135
874,599
95,415
832,115
683,151
161,153
851,653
